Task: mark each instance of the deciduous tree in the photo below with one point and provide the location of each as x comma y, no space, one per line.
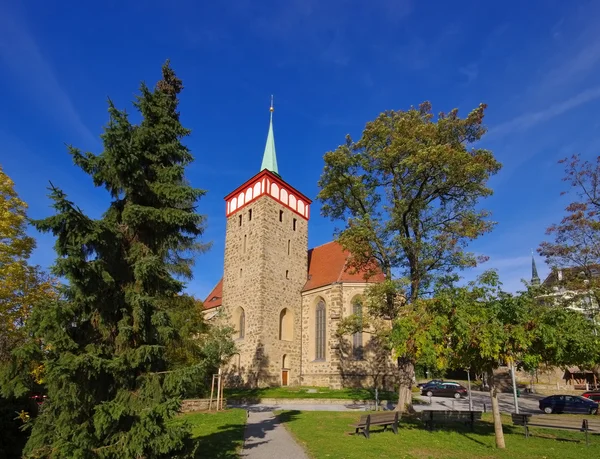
408,192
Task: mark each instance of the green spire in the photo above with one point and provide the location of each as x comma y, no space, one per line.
269,157
535,279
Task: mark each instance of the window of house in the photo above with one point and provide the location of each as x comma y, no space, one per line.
249,214
320,331
240,219
281,215
357,338
294,224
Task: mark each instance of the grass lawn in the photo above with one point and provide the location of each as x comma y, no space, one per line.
220,435
303,392
326,435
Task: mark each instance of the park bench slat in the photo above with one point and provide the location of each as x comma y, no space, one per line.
550,422
593,425
431,417
377,419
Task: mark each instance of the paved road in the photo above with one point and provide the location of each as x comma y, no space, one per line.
266,438
528,403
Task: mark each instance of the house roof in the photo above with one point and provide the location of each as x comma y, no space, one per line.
328,264
215,298
572,275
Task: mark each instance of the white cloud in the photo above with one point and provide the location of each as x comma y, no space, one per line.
528,120
23,58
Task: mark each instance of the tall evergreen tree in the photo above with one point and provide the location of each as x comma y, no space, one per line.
109,392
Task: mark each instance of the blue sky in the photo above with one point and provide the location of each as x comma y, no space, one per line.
332,66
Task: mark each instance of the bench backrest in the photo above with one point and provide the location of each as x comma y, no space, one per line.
520,419
390,416
434,415
363,419
594,424
556,421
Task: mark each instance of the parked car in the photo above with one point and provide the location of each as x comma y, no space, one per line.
445,389
568,404
592,395
433,382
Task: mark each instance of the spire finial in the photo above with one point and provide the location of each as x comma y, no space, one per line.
269,157
535,279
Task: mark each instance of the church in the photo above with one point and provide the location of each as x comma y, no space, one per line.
284,300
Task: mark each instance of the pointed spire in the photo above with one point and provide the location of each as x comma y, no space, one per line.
535,279
269,157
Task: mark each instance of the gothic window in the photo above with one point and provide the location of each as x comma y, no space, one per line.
357,338
239,322
286,325
320,331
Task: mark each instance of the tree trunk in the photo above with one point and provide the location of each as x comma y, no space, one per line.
496,411
406,372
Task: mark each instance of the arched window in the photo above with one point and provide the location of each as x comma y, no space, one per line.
357,338
242,324
320,331
286,325
239,322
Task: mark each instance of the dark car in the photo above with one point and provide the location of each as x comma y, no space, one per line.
446,389
568,404
433,382
592,395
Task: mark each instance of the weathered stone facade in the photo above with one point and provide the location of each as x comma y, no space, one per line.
265,269
341,367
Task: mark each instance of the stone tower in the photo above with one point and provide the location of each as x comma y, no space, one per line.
265,269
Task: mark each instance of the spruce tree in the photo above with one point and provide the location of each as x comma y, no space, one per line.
109,394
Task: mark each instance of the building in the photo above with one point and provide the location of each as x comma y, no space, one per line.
285,301
574,287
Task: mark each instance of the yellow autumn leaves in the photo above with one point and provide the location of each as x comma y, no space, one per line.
21,285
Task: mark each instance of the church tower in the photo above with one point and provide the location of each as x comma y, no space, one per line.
265,269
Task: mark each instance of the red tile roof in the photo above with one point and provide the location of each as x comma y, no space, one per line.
215,298
327,264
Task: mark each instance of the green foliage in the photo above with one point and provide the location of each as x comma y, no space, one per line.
408,191
110,391
198,348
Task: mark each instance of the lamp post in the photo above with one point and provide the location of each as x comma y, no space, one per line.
469,383
514,384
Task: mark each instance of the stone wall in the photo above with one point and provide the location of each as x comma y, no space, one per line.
198,404
264,271
340,368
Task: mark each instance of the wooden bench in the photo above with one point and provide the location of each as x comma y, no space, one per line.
557,422
386,419
431,417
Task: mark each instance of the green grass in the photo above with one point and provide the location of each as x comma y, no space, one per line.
219,435
303,392
327,435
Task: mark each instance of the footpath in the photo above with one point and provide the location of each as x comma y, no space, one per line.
266,438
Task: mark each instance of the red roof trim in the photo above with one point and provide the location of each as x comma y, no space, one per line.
273,177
